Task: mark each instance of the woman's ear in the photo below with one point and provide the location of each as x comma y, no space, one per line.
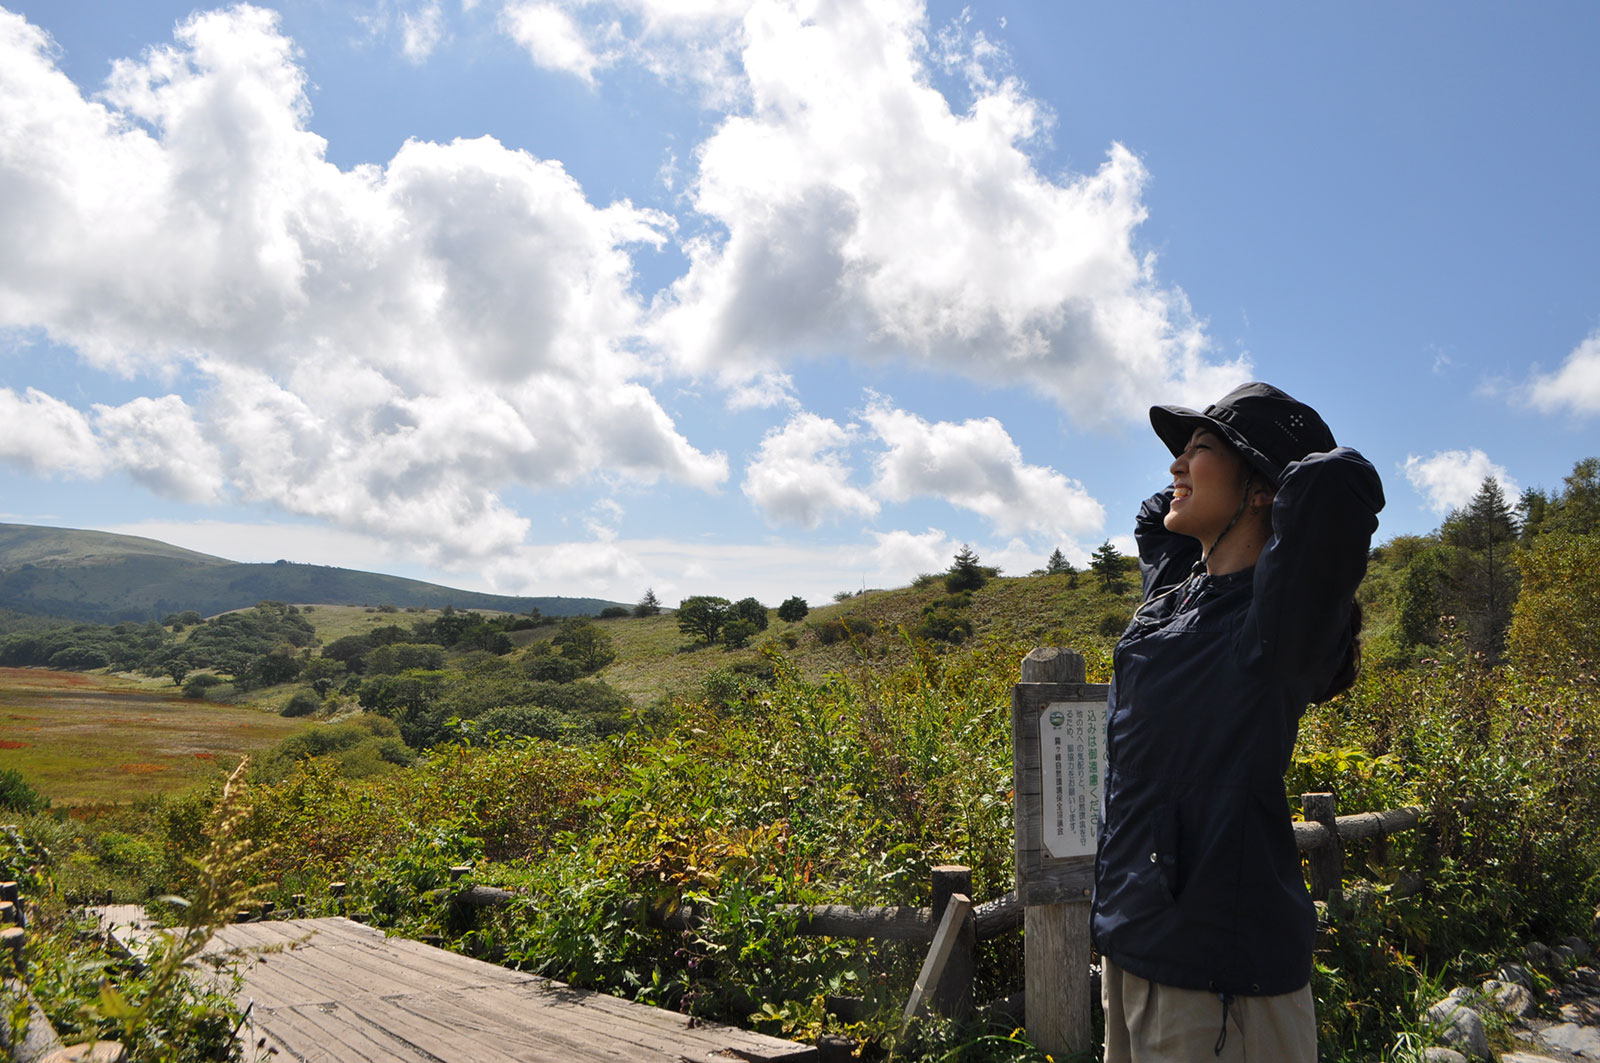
1261,497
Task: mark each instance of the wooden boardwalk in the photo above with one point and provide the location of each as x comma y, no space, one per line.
342,992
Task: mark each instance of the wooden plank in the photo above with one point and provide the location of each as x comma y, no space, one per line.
329,1033
606,1013
573,1032
350,994
944,943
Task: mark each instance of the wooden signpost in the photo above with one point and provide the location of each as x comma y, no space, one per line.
1058,769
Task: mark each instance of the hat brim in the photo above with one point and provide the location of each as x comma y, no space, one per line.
1176,424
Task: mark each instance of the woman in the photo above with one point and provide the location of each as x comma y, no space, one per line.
1250,563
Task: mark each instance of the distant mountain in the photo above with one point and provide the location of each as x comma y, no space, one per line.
105,578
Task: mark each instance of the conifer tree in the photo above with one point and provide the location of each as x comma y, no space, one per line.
965,574
1108,565
1483,579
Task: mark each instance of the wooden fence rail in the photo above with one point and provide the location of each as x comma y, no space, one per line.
38,1042
1321,837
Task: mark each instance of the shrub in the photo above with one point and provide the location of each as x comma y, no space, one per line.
1112,625
830,631
521,721
304,703
793,609
197,685
78,659
548,668
16,795
615,612
399,657
738,632
585,644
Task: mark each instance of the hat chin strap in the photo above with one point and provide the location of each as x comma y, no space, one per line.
1244,503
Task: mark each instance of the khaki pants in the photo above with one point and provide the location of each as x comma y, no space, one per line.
1150,1023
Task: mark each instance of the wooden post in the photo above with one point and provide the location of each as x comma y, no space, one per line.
1326,860
953,996
1054,891
944,942
11,941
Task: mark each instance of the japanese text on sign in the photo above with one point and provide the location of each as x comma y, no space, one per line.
1072,761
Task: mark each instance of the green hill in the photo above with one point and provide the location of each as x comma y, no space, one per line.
81,575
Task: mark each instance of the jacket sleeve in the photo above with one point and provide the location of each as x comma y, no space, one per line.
1165,557
1323,517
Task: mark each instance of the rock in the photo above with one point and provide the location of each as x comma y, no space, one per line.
1515,972
1409,884
1570,1037
1524,1057
1509,997
1578,946
1442,1055
1539,954
1586,976
1585,1012
1459,1026
1566,954
1360,897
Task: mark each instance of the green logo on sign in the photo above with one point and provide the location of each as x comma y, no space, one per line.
1057,718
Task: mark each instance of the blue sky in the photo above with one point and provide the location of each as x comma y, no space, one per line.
770,297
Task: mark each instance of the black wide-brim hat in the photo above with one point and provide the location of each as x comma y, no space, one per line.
1270,428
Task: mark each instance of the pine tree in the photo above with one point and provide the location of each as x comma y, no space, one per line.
1483,579
1108,565
1058,564
649,605
965,574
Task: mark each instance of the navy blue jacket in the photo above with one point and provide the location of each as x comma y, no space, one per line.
1197,878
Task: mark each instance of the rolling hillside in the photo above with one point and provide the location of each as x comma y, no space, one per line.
96,576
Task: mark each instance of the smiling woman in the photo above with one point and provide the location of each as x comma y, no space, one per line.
1250,562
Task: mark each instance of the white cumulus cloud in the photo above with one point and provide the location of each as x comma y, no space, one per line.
855,209
1449,478
387,348
552,39
799,475
421,32
43,435
977,466
1575,387
903,552
158,443
693,42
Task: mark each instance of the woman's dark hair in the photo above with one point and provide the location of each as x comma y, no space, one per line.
1345,677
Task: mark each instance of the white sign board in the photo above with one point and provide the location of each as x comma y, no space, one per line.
1072,759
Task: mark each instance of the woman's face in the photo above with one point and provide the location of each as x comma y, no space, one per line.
1208,480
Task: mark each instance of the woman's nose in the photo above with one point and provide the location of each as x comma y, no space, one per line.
1177,465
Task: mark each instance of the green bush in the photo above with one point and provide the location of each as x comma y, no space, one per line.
793,609
522,721
17,795
304,703
196,686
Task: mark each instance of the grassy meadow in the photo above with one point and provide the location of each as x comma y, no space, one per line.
87,738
